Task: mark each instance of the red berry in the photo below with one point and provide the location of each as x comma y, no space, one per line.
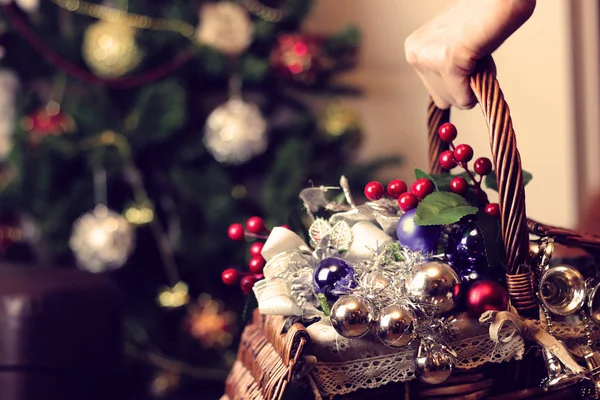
255,225
396,188
230,276
236,232
422,187
493,209
374,190
256,264
259,276
459,185
285,226
256,248
482,166
447,160
463,153
447,132
247,283
407,201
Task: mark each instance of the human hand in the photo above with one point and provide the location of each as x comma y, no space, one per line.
446,50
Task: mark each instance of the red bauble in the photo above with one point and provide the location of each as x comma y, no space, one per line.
47,121
298,57
448,132
285,226
396,187
256,249
493,209
236,232
485,296
374,190
422,187
256,264
459,185
447,160
230,276
463,153
255,225
247,283
407,201
482,166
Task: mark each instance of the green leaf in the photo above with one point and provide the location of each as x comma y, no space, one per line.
249,307
489,227
442,208
492,183
422,174
324,305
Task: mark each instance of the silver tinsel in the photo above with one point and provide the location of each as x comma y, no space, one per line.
235,132
101,240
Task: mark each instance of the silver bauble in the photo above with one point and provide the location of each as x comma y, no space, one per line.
351,316
395,326
434,361
434,286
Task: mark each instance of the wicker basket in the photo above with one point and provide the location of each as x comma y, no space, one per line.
272,352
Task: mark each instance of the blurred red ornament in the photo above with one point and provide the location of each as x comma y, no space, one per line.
298,57
10,233
210,322
47,121
485,296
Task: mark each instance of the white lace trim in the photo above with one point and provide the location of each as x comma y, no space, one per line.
349,365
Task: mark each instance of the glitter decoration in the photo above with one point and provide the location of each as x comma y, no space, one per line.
225,26
235,132
102,240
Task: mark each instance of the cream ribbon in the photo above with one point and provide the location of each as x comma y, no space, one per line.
529,330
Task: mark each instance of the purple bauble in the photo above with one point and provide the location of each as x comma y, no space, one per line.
470,276
415,237
466,250
333,277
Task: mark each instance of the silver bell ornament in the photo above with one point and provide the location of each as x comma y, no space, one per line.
351,316
434,361
435,286
395,326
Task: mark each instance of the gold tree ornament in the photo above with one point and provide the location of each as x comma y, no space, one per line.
226,27
110,49
211,323
174,297
339,119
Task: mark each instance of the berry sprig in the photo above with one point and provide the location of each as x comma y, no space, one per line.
397,189
461,155
255,228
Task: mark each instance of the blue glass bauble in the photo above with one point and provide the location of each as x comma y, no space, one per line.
466,249
415,237
333,277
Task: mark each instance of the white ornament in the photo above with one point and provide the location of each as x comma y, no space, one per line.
235,132
28,5
9,84
225,26
102,240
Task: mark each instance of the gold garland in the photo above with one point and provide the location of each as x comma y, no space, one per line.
132,20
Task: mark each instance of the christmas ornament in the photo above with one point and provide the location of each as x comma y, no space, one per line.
110,49
339,120
434,361
434,286
559,377
298,57
226,27
470,276
562,290
231,276
486,295
102,240
47,121
235,132
174,297
351,316
395,326
415,237
593,300
28,5
466,249
9,85
165,383
211,323
139,214
333,277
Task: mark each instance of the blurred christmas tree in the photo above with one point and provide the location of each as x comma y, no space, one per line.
133,133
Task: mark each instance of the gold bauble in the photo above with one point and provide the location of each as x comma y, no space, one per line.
339,119
225,26
174,297
110,49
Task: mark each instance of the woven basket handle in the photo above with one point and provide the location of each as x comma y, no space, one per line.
506,161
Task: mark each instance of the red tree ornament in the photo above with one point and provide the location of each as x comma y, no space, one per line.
485,296
47,121
298,57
